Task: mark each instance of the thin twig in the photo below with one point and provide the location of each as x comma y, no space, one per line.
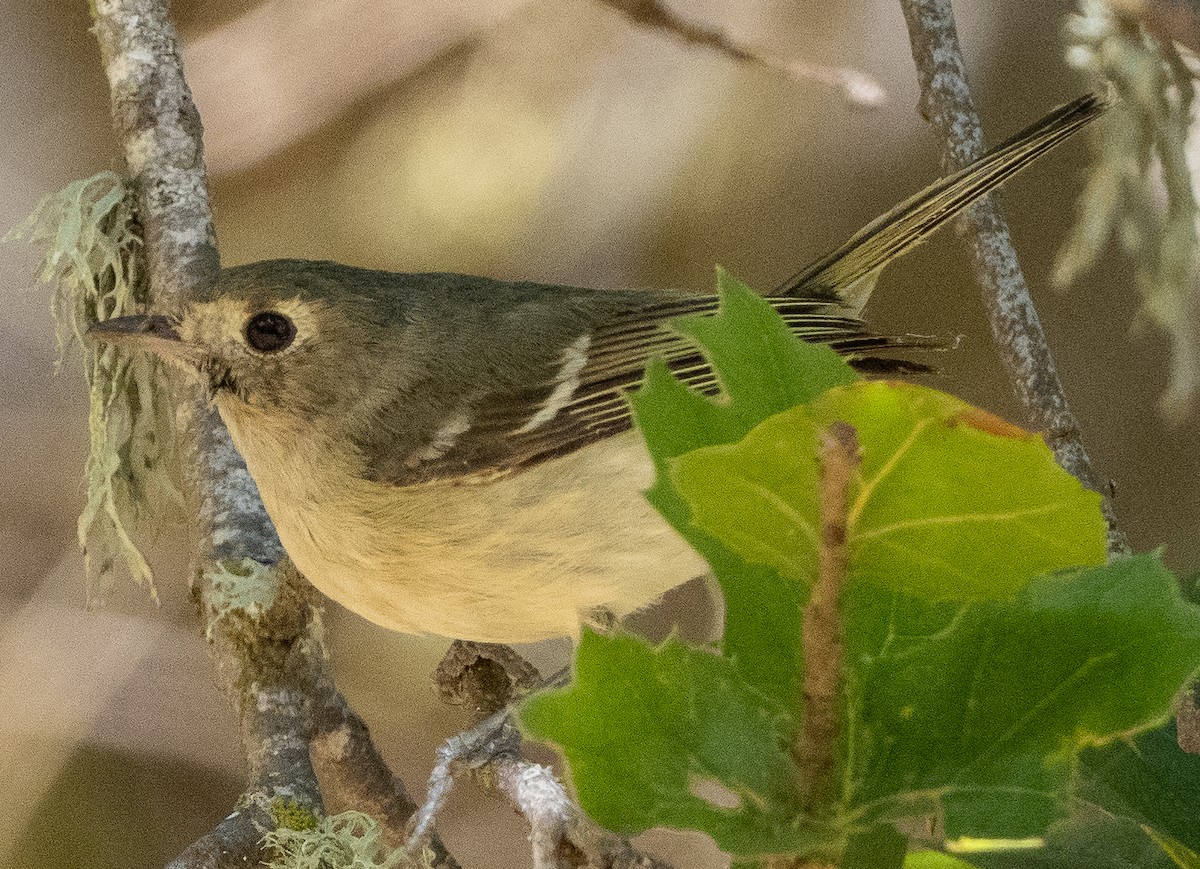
268,655
494,737
480,676
947,103
855,85
817,742
560,834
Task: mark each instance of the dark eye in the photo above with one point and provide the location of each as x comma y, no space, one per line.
270,332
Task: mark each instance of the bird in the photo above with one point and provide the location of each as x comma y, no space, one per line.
454,455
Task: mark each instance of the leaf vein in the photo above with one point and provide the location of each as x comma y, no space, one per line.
959,518
869,486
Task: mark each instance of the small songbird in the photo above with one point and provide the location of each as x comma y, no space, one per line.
452,455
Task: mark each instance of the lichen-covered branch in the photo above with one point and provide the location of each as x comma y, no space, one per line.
354,776
947,103
487,678
262,655
160,132
561,836
256,609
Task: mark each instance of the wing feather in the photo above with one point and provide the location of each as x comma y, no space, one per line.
572,390
500,438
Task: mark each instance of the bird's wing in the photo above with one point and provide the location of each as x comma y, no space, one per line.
580,394
574,392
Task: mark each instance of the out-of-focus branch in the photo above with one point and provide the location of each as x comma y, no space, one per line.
1177,20
258,614
262,78
947,103
855,85
1187,720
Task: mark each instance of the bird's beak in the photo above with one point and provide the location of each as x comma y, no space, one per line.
153,333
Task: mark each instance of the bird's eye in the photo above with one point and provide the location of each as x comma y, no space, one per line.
270,332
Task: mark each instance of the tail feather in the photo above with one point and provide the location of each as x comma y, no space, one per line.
848,274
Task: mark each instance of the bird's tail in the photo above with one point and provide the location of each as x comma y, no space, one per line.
848,274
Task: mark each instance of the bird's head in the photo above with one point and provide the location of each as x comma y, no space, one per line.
284,336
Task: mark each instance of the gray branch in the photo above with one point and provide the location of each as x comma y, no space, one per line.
264,664
561,836
947,103
353,774
267,653
487,678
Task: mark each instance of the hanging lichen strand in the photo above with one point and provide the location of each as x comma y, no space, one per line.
92,260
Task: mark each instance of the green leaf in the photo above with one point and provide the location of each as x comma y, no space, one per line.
881,847
1148,778
1183,856
985,706
763,369
951,503
748,340
670,735
970,686
1089,839
1191,587
935,860
1149,782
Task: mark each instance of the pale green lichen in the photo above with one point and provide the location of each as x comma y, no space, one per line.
240,585
290,815
1146,136
93,261
350,840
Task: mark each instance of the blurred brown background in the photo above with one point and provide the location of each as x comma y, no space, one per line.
542,139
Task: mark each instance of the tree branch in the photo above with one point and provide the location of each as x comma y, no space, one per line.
560,834
487,678
947,103
258,614
855,85
262,662
352,773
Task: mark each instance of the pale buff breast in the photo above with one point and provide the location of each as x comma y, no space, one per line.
520,558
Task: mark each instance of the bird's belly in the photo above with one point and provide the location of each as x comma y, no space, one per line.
521,558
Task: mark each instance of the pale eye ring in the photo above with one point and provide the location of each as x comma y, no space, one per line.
270,332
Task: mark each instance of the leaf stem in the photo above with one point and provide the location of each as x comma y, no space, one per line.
817,745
